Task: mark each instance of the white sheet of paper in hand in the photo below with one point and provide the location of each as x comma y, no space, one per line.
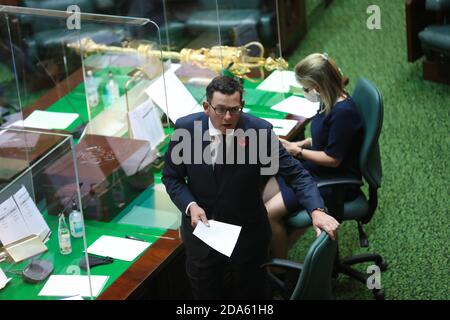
72,285
118,248
279,81
3,279
297,106
49,120
219,235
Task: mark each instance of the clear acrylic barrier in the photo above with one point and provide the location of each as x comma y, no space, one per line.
34,241
119,141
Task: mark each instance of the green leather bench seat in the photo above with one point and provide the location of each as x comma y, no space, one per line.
437,38
228,19
52,38
261,23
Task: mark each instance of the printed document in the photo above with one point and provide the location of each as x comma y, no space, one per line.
31,214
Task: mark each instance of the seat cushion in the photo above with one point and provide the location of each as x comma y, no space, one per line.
300,219
353,210
436,37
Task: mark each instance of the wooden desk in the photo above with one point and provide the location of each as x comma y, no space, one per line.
158,274
17,156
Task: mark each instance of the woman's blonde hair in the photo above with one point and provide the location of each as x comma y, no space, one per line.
319,71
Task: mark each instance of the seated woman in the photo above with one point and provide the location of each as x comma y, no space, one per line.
331,152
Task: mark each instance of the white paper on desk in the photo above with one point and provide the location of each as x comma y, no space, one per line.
18,139
282,127
146,123
180,101
297,106
31,214
118,248
12,225
3,279
49,120
279,81
219,235
72,285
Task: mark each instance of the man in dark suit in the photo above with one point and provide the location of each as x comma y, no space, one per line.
204,184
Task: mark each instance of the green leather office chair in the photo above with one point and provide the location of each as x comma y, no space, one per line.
369,103
314,280
435,39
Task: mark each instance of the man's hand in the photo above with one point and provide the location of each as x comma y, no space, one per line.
323,221
197,214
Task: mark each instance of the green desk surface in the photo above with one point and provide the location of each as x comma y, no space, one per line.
17,289
259,103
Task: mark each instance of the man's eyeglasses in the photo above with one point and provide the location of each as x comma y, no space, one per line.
222,110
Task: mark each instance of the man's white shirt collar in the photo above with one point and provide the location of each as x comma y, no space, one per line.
215,132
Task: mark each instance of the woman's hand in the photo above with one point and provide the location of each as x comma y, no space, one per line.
307,143
290,147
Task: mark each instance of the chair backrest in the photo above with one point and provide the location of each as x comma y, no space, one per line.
315,279
437,5
231,4
369,103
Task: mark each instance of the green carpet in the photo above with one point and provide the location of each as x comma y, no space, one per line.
411,227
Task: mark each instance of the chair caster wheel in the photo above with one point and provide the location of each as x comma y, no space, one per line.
378,294
383,266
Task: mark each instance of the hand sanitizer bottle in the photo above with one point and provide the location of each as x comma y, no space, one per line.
76,221
111,90
91,90
65,246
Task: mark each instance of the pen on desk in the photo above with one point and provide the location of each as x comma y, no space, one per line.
149,235
134,238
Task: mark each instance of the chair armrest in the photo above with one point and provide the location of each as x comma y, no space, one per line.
339,181
284,264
